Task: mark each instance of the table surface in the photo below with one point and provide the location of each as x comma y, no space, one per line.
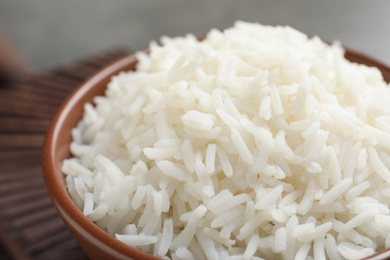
30,227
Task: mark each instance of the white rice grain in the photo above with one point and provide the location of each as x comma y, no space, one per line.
378,166
251,247
172,170
353,251
335,191
88,203
98,213
198,120
242,149
270,198
136,240
182,253
280,240
257,141
302,252
360,219
210,158
166,237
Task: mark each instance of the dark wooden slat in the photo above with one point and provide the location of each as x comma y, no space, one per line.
32,96
15,249
19,154
21,140
22,196
50,242
34,218
58,84
46,87
80,72
29,100
29,226
43,229
29,166
19,185
106,58
27,109
11,124
68,249
27,172
21,210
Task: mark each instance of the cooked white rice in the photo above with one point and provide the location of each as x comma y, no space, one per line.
257,142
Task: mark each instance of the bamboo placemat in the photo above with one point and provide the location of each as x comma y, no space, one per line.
30,227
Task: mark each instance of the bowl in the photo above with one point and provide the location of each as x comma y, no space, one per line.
94,241
97,243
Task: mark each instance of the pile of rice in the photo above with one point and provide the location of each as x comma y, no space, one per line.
258,142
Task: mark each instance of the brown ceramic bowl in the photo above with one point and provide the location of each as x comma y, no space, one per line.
97,243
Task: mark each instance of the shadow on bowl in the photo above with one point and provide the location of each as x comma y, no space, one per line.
97,243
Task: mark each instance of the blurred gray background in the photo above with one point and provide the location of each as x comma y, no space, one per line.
52,32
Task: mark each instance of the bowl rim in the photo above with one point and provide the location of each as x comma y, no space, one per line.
56,189
58,192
